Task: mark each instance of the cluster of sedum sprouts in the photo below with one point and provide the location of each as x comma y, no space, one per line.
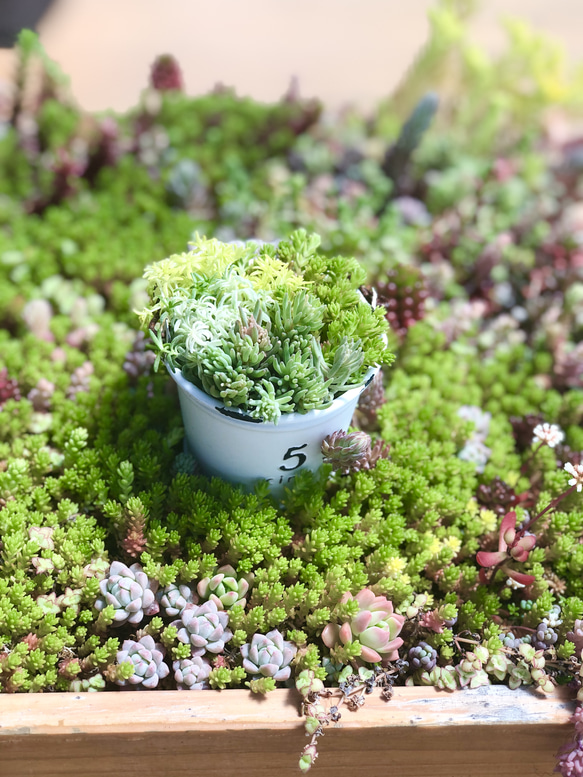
266,329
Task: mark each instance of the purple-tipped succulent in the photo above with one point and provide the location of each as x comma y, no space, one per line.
224,588
174,598
130,592
204,627
268,655
346,452
576,636
375,626
166,75
423,656
147,658
544,637
191,674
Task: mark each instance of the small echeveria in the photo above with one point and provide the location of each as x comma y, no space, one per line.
191,674
130,593
224,588
147,659
268,655
174,598
204,627
375,626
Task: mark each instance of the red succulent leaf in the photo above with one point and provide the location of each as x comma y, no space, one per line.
527,542
520,577
507,530
490,559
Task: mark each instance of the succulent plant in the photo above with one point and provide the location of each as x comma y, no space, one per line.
191,674
88,685
138,361
352,452
130,592
497,496
471,670
371,399
553,618
523,429
204,627
252,329
174,598
544,637
41,394
224,588
166,75
268,655
8,387
576,635
147,659
423,656
510,641
375,626
403,296
346,452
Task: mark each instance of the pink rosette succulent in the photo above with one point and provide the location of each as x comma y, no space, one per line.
146,656
375,626
191,674
130,592
268,655
204,627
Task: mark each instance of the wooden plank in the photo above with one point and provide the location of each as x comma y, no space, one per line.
421,732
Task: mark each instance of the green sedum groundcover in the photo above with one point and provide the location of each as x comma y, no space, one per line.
441,543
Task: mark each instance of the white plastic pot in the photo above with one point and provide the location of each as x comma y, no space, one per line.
241,449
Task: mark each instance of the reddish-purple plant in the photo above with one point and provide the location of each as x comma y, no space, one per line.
513,545
166,75
570,757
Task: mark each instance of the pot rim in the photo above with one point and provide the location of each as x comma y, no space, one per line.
286,420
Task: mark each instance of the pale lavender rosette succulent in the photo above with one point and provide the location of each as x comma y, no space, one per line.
130,592
174,598
148,660
268,655
224,588
375,626
204,627
191,674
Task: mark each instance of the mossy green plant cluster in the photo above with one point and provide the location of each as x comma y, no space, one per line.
266,329
474,258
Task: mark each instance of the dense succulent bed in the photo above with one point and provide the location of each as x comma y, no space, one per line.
429,557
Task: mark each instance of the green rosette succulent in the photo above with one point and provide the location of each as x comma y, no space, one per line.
224,588
130,592
375,626
147,658
268,655
204,627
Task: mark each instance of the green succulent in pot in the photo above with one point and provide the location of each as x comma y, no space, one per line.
266,329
